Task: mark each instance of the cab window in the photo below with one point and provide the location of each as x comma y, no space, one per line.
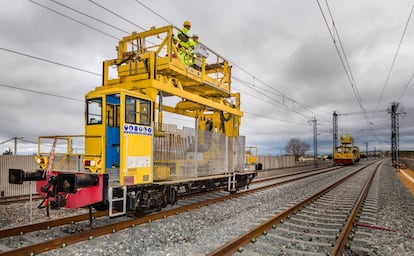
137,111
94,111
112,115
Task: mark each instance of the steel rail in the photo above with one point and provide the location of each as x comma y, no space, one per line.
19,199
236,244
342,239
112,228
20,230
331,168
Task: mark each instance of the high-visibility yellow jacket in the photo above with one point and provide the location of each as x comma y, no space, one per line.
193,43
183,34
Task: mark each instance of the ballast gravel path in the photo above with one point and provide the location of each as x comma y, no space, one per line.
394,210
201,231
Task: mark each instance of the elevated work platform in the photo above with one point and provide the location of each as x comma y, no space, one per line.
346,139
153,54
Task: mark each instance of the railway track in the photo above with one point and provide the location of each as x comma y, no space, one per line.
29,246
317,225
18,199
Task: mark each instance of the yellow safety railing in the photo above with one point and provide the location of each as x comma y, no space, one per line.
134,62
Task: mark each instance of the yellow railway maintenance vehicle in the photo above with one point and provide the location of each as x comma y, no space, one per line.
346,153
252,159
133,161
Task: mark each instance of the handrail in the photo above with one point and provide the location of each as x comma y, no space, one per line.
132,60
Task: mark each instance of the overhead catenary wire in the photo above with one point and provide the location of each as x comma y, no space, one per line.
255,88
350,77
345,63
28,141
236,65
406,87
117,15
50,61
282,103
343,57
154,12
89,16
75,20
251,86
282,95
242,69
39,92
90,72
255,82
273,118
394,60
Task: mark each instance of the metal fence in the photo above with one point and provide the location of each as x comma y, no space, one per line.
189,152
16,162
28,163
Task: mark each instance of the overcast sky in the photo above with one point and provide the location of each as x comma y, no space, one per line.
285,64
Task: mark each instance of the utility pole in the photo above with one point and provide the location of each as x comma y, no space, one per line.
366,149
15,143
315,141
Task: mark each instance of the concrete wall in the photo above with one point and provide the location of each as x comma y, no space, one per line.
407,154
270,162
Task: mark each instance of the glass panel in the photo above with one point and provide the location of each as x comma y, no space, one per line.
94,111
145,112
138,111
117,115
110,115
130,110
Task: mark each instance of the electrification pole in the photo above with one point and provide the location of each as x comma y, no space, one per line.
334,131
395,133
315,141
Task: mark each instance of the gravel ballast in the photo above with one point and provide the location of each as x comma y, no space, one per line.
200,231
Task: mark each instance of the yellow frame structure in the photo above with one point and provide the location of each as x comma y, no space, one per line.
149,71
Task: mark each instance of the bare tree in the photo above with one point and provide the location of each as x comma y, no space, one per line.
296,147
8,152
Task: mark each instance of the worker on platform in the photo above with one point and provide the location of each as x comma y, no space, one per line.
193,41
184,43
196,63
174,42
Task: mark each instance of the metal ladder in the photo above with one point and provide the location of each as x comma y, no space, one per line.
111,200
231,185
